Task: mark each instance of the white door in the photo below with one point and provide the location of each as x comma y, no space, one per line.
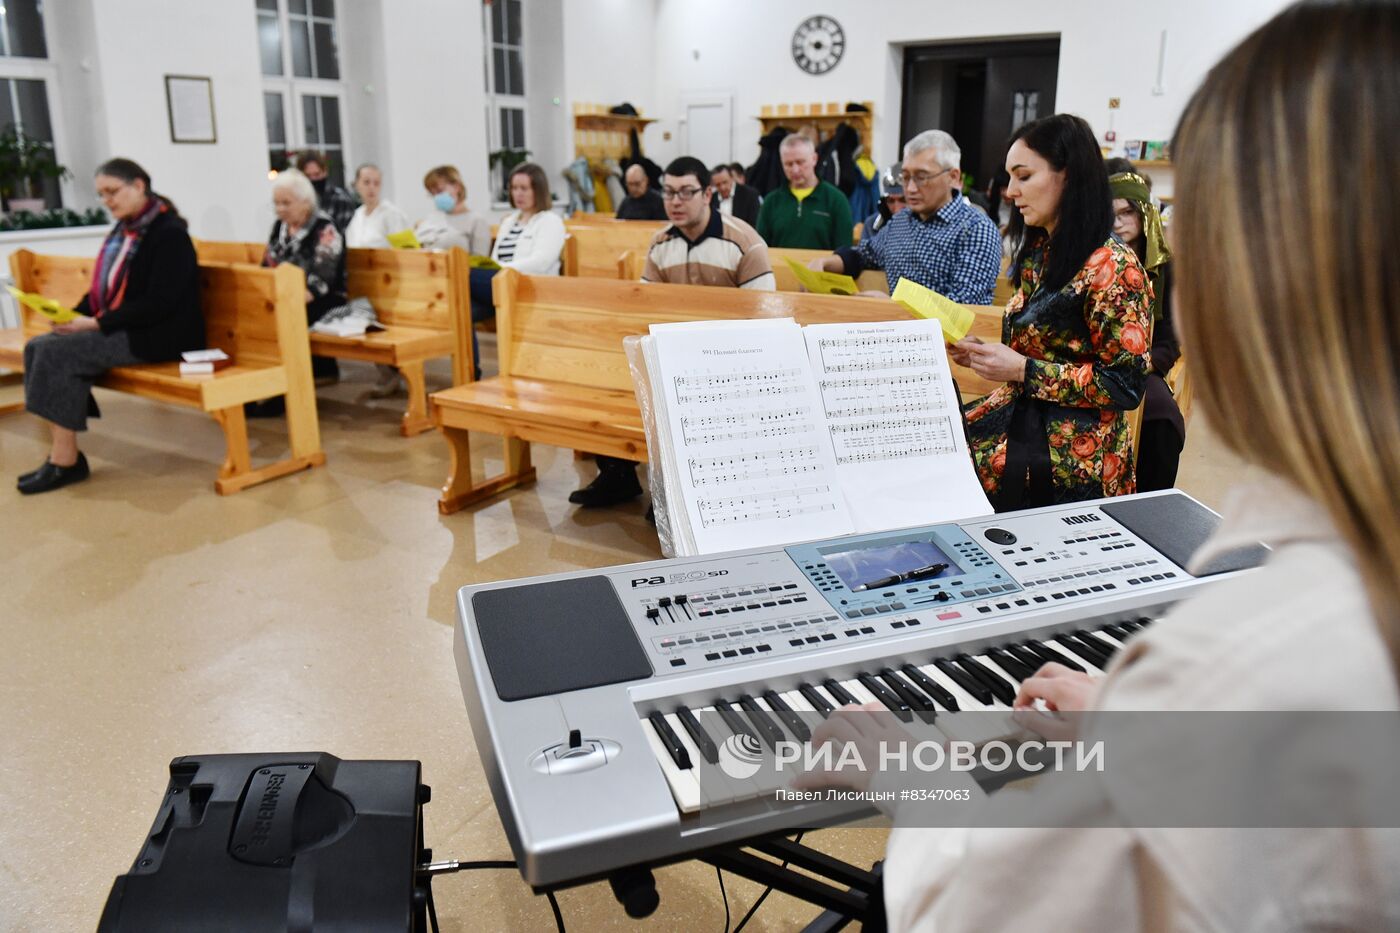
709,127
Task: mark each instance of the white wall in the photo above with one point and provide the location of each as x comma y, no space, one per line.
1106,50
220,188
433,97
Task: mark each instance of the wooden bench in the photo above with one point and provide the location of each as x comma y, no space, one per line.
255,315
564,375
419,297
871,280
601,243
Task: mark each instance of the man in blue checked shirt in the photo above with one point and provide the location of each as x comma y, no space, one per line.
940,240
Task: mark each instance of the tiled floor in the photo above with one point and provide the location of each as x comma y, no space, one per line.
143,617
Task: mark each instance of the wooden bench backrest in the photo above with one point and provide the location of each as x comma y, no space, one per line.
62,278
408,288
239,300
602,242
572,330
871,280
240,304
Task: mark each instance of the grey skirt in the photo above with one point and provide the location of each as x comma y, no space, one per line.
60,369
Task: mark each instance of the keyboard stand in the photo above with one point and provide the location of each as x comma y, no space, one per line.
844,892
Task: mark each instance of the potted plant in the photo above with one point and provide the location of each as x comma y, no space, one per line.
25,163
507,159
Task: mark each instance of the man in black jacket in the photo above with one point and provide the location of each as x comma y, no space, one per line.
732,197
642,201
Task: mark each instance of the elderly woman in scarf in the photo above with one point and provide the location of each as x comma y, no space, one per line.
142,307
1137,222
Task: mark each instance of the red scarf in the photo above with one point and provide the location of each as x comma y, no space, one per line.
113,266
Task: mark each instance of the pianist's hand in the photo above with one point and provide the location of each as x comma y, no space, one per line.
866,727
1061,690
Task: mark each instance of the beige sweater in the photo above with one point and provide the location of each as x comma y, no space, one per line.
1297,634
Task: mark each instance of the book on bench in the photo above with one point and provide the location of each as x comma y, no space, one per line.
204,362
764,433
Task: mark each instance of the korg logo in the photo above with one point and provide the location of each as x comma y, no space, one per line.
1080,519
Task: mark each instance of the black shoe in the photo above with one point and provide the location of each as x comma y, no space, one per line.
274,407
610,488
51,476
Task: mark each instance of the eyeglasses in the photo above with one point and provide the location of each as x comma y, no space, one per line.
680,194
920,179
108,194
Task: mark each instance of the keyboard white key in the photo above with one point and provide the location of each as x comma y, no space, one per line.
715,787
685,786
974,723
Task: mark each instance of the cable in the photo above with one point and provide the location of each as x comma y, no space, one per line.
452,866
761,898
724,895
554,904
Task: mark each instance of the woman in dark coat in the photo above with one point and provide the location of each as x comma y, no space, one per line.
142,307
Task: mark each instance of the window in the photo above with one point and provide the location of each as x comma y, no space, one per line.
303,95
505,124
27,84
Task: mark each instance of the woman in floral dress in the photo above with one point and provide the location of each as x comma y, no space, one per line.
1075,339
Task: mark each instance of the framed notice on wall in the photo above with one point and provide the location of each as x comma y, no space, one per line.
190,103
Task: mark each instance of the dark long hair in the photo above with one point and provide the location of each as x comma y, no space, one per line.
1086,207
129,171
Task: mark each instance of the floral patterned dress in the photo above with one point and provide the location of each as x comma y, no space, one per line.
1087,347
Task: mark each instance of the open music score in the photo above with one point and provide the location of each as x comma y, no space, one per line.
768,433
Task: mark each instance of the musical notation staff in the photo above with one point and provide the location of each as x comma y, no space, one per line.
750,426
766,506
742,468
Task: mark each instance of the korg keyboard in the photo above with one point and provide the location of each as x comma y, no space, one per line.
585,689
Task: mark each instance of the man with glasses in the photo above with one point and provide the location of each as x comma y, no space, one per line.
734,197
701,247
941,241
808,213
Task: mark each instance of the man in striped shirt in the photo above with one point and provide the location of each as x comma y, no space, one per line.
701,247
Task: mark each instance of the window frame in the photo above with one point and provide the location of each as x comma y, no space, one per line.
496,101
25,68
294,90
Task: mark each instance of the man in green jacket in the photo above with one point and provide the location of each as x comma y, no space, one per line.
808,213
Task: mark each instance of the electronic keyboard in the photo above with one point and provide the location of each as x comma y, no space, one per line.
602,700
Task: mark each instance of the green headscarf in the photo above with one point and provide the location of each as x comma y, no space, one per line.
1133,188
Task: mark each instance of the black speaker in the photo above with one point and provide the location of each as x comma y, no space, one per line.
279,842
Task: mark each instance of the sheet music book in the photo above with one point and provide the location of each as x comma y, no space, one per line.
769,433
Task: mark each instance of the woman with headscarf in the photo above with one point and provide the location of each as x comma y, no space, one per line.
1138,223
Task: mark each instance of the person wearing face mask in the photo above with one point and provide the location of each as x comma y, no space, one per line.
451,223
143,307
338,203
1074,355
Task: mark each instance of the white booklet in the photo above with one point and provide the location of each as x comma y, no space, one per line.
768,433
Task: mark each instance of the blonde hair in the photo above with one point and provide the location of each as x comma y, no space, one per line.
445,173
1299,355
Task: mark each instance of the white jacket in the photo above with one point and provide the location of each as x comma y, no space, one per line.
1296,634
537,250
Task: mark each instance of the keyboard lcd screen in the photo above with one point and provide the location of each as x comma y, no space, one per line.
882,565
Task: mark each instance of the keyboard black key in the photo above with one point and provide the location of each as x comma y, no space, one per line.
788,715
838,693
886,696
1130,626
921,705
1051,656
674,748
1008,662
1144,621
737,724
1087,652
760,718
1028,658
814,696
972,685
698,735
1089,638
929,686
1118,631
1000,688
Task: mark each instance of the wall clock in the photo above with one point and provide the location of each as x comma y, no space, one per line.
818,44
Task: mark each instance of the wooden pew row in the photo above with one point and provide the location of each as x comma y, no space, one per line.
255,315
419,296
564,375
